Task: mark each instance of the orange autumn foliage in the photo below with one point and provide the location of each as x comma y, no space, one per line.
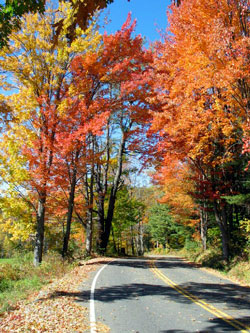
202,100
202,78
177,187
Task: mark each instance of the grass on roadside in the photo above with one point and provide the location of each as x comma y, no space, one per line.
19,278
56,307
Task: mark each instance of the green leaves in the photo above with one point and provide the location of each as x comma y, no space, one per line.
11,13
163,227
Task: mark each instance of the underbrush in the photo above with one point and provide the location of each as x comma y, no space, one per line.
240,270
19,278
159,250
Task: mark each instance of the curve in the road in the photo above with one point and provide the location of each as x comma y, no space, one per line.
216,312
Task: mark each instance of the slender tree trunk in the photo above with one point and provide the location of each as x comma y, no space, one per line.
112,197
69,213
40,214
140,238
102,187
89,232
177,2
39,239
100,225
89,197
204,222
104,234
89,190
221,220
132,240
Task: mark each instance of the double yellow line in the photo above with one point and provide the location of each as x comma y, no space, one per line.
208,307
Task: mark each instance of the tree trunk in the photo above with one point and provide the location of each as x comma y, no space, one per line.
177,2
140,238
225,245
89,232
204,222
102,187
104,235
89,196
69,213
132,240
112,197
39,239
100,225
40,214
221,220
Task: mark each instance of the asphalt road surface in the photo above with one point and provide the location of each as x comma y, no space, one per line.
165,295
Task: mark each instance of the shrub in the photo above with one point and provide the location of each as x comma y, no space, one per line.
18,276
211,258
5,285
241,271
9,272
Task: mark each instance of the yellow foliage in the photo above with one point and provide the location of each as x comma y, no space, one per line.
16,218
33,67
245,226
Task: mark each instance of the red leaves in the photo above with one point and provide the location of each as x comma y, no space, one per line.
109,83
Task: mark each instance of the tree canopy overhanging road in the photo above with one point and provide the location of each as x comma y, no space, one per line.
84,114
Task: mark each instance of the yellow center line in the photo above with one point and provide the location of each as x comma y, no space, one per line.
208,307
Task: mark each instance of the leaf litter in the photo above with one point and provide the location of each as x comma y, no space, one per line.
54,308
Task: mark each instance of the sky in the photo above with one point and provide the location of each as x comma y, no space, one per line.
150,15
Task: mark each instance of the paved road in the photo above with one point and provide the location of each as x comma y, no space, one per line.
167,295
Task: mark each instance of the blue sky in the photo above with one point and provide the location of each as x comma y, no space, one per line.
150,15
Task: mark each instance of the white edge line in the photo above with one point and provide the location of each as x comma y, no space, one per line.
92,301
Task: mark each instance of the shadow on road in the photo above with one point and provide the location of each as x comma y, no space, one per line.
171,262
228,295
136,290
233,295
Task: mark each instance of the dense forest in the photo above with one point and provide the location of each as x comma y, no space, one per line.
83,113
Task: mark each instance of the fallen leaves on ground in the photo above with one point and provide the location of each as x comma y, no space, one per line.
54,307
